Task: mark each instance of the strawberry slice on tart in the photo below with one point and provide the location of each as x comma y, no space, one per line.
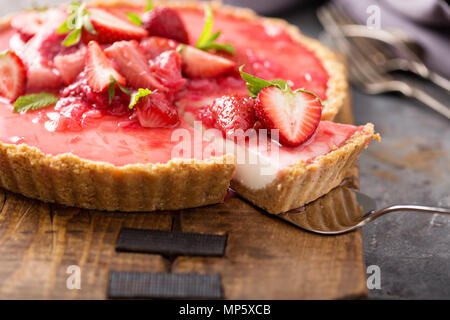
165,22
99,70
12,75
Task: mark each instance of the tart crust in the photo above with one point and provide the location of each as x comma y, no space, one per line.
302,183
66,179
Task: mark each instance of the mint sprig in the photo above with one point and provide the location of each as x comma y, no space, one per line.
112,89
149,5
207,40
134,18
136,96
35,101
79,18
255,85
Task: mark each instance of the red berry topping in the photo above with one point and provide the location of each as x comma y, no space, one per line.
154,111
29,23
154,46
133,65
233,112
110,28
167,69
12,75
295,114
99,70
201,64
71,65
165,22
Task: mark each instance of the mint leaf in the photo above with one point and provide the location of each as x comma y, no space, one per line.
207,40
149,5
35,101
72,38
112,89
134,18
255,85
79,18
135,97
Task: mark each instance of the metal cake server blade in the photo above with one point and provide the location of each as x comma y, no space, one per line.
343,210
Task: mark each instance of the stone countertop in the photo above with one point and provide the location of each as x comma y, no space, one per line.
410,165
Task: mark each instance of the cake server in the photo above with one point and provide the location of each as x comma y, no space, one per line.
343,210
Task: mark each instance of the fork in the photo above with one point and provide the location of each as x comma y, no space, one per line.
380,55
367,76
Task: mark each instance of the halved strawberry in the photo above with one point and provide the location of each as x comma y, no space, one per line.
133,65
154,111
295,114
110,28
154,46
233,112
29,23
165,22
201,64
71,65
99,70
12,75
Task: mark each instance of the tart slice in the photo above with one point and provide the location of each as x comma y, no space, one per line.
99,102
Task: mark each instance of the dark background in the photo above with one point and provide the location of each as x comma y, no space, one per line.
410,165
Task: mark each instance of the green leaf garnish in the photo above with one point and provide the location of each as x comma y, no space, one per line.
79,18
149,5
207,40
255,85
35,101
134,18
136,96
112,89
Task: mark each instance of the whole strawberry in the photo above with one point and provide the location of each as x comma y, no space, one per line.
233,112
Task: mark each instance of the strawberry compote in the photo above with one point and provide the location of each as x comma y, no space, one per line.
93,126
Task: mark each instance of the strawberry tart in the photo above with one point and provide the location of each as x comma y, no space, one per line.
139,107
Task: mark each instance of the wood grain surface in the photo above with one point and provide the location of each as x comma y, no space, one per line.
265,257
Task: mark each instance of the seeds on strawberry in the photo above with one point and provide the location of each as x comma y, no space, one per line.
110,28
12,75
233,112
201,64
133,65
295,115
165,22
99,70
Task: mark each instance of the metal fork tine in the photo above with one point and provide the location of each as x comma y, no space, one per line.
359,67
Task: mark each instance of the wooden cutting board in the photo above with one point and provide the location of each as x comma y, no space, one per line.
265,257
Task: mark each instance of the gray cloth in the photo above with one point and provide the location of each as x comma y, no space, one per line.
426,21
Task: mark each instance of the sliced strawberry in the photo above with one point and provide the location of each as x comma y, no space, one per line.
29,23
110,28
99,70
167,69
205,115
154,46
233,112
295,115
165,22
154,111
201,64
133,65
71,65
12,75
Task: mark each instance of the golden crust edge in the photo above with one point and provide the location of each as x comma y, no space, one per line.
300,184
